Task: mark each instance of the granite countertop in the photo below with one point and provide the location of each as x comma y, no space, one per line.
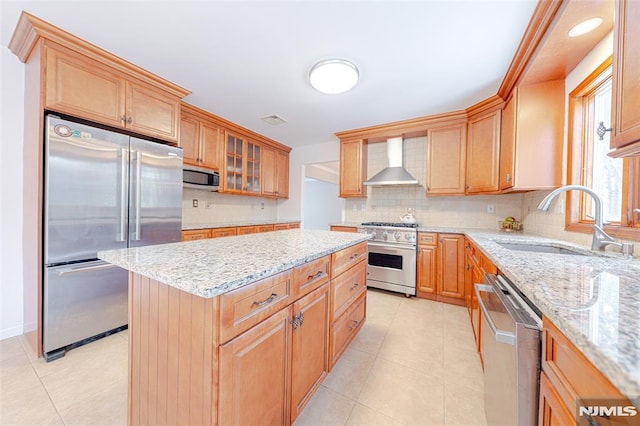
594,299
214,266
236,224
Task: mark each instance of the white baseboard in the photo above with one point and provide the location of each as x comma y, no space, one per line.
11,332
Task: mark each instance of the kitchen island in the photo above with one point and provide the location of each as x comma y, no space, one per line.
239,329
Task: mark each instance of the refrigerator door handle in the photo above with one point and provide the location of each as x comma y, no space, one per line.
138,154
82,269
123,195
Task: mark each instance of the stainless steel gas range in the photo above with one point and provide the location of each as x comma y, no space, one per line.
392,256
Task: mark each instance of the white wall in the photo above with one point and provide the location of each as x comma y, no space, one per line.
11,145
292,209
215,208
322,206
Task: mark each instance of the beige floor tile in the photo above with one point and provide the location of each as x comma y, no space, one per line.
350,373
326,408
370,337
463,405
463,366
456,315
460,337
404,394
419,349
10,348
365,416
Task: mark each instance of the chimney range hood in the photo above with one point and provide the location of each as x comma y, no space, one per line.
394,174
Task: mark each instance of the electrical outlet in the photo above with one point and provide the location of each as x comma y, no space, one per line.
262,205
195,202
491,208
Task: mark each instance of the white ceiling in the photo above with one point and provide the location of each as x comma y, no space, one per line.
243,60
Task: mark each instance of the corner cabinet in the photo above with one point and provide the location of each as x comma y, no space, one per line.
625,139
93,90
353,168
483,153
446,159
532,137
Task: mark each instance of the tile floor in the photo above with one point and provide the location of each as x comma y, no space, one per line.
413,363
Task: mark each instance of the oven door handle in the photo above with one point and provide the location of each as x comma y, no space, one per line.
392,246
500,335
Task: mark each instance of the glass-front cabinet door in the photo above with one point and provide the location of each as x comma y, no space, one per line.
253,168
234,170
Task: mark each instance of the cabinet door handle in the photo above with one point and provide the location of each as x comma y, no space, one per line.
315,276
123,119
354,286
354,324
130,120
507,178
266,301
354,256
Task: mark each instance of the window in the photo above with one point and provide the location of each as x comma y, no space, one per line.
615,180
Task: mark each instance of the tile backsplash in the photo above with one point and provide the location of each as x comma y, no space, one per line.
215,208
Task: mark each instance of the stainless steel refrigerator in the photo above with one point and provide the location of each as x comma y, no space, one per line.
103,190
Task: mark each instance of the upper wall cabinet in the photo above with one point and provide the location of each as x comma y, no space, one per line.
275,173
483,153
532,137
446,159
353,168
200,138
89,89
626,80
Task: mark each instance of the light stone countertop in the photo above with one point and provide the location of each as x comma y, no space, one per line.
594,300
194,226
210,267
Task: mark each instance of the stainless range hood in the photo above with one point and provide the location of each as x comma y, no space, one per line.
394,174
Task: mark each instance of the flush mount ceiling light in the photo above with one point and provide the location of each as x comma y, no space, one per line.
585,27
333,76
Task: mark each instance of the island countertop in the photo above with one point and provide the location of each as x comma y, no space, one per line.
210,267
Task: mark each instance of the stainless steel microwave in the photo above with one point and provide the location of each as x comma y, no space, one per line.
200,178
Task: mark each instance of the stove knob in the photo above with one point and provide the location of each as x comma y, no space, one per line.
385,235
397,236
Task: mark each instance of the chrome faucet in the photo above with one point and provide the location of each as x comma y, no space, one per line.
600,238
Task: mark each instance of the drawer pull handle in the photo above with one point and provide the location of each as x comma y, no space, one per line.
317,275
266,301
353,287
354,324
354,256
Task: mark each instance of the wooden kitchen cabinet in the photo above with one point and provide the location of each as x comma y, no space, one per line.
275,176
310,346
90,89
440,267
353,168
552,411
200,138
255,374
339,228
196,234
483,153
283,226
625,138
241,174
446,159
223,232
532,129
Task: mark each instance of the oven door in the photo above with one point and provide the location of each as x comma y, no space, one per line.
392,267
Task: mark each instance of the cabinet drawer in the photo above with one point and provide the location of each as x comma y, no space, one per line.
196,234
346,258
241,309
223,232
347,287
310,276
244,230
427,239
572,375
346,327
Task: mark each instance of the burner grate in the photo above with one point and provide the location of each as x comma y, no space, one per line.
391,224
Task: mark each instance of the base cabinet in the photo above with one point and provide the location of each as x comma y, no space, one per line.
254,374
440,268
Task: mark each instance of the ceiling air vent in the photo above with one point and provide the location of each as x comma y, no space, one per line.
274,119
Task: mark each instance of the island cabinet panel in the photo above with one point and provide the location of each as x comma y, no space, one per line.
347,258
310,276
255,372
346,288
310,347
346,327
245,307
172,357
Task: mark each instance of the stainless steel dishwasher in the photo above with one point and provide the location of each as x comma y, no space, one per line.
511,353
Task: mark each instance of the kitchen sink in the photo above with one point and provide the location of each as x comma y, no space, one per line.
537,248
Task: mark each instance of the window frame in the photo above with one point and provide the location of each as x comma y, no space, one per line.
629,227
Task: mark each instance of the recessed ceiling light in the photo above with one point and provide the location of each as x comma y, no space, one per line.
333,76
585,27
273,119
